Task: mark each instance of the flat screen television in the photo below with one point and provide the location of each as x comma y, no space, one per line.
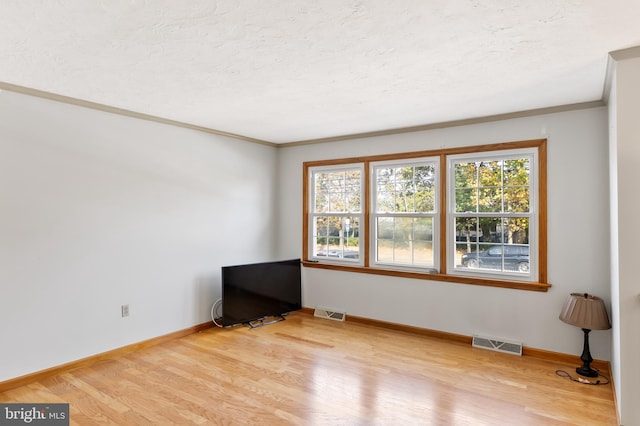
259,290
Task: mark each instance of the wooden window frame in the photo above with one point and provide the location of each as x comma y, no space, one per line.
539,283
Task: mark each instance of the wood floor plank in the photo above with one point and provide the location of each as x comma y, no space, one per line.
312,371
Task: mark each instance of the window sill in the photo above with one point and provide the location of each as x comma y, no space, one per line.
517,285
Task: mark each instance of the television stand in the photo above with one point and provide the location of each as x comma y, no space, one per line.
262,321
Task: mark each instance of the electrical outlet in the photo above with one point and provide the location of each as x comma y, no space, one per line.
125,310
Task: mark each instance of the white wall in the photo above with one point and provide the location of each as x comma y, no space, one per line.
624,108
613,208
578,238
99,210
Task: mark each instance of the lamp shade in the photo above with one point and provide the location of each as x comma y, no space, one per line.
585,311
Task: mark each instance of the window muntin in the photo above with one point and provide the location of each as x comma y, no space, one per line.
493,214
404,214
337,213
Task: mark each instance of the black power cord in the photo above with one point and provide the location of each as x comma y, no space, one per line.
563,373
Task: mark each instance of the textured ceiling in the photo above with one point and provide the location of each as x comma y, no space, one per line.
284,71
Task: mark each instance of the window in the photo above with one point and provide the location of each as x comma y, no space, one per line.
492,213
404,214
474,215
337,213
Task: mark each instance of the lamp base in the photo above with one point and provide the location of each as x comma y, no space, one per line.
586,371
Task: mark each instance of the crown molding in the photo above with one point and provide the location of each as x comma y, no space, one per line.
440,125
120,111
453,123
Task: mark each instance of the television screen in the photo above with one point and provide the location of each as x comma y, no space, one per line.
255,291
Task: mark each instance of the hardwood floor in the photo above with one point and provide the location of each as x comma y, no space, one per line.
312,371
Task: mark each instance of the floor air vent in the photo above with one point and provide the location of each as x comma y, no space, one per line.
329,314
514,348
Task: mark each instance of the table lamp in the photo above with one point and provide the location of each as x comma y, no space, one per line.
589,313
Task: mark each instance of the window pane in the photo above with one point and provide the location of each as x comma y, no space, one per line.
490,229
322,203
516,172
325,232
405,189
493,244
352,192
385,202
405,241
402,253
516,230
516,199
497,229
384,249
337,237
337,202
384,177
336,181
466,175
338,191
351,232
423,229
466,200
405,202
385,228
423,254
467,230
490,173
490,200
492,186
403,228
425,197
384,239
403,178
385,235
